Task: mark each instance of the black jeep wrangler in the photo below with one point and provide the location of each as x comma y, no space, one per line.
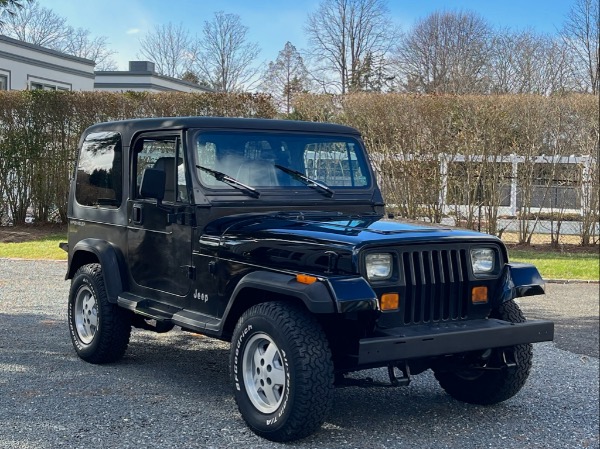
270,234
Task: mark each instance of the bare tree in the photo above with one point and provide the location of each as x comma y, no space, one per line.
81,44
502,70
224,59
580,33
41,26
528,62
286,77
37,25
557,67
170,47
8,8
346,38
190,77
447,52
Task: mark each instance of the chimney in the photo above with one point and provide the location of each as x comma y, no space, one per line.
141,66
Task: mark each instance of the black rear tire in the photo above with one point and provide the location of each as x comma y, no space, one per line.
491,387
281,371
99,330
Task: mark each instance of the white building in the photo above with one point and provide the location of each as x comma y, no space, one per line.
27,66
141,77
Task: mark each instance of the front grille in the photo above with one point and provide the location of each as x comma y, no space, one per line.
436,285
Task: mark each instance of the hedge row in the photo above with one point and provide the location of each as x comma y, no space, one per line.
407,136
39,132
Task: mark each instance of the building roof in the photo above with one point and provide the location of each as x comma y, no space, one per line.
48,51
141,75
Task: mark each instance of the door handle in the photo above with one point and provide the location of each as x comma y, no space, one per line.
136,214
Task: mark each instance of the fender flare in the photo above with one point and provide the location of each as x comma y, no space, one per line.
332,295
316,297
519,280
108,256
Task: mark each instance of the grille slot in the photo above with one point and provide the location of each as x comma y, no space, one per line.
436,285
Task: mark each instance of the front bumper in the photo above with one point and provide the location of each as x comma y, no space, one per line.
411,342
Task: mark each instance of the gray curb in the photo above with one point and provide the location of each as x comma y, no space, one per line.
570,281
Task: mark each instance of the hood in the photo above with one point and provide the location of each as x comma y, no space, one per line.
318,243
338,229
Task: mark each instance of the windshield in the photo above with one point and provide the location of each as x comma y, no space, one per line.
269,160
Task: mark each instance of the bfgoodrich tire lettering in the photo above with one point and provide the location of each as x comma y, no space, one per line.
491,387
99,330
281,371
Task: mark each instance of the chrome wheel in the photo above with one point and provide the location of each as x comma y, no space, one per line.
264,373
86,314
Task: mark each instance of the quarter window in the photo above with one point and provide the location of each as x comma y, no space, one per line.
99,171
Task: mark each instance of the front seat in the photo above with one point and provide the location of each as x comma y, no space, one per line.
167,164
259,172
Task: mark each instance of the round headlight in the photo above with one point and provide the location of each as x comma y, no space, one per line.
482,260
379,266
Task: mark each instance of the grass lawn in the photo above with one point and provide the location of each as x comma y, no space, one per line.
560,265
44,248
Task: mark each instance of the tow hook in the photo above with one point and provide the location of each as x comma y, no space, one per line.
506,360
404,381
503,359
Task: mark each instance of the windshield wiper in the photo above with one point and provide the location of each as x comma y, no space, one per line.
219,176
312,183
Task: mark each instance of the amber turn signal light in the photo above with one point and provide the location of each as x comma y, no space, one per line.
479,295
389,301
306,279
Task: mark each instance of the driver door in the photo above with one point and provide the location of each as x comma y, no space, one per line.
159,241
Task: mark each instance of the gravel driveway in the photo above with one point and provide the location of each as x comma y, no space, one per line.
171,390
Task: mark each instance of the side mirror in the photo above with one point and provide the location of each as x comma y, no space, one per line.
153,184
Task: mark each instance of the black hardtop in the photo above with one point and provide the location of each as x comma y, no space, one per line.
128,128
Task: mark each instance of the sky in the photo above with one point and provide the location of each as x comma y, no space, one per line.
272,23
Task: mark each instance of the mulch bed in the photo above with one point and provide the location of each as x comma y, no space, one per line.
26,233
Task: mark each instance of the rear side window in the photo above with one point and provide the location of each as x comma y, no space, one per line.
99,171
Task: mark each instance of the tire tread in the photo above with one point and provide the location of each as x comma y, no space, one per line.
314,369
115,331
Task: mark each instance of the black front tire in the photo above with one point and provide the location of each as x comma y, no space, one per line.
99,330
281,371
486,387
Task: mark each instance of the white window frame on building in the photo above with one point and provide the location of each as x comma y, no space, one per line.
36,83
4,81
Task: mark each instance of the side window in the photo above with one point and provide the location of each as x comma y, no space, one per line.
163,153
99,171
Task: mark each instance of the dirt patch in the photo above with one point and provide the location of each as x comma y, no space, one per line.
26,233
